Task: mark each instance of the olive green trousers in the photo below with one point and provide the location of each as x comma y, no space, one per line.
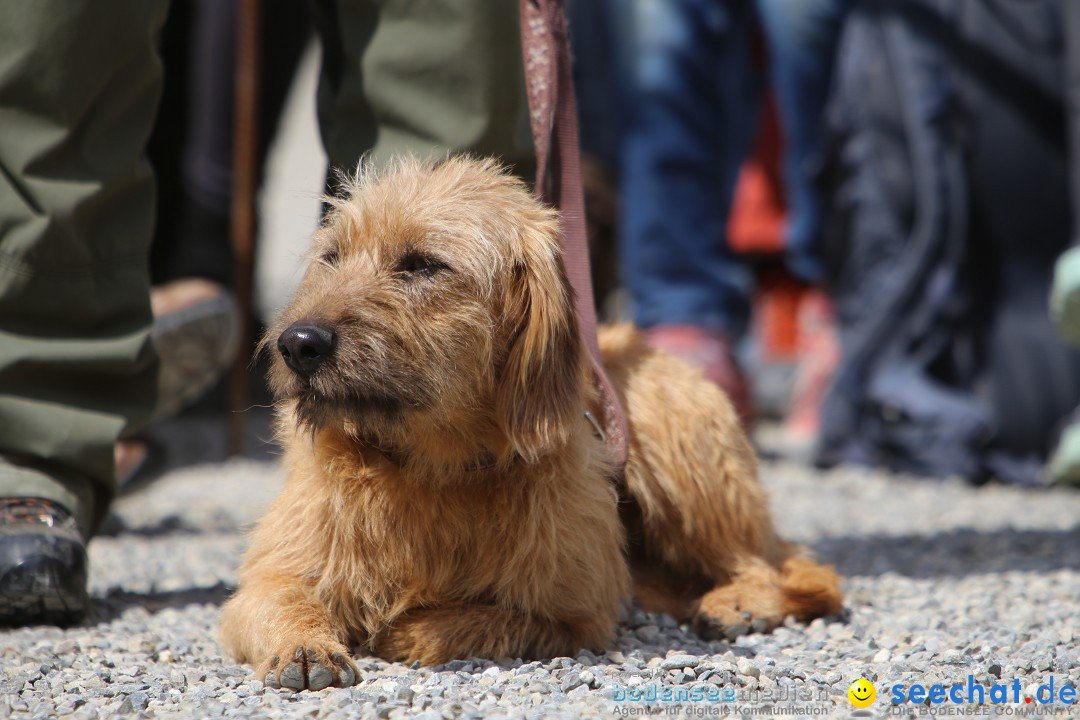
79,85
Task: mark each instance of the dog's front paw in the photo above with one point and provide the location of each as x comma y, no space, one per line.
309,667
725,613
728,627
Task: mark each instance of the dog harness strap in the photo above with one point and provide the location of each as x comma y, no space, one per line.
545,49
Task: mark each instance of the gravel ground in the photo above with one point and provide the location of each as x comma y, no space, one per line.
943,581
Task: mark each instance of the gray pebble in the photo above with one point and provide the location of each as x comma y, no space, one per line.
648,633
570,681
747,668
677,662
135,702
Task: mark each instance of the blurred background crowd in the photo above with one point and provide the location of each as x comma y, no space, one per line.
855,216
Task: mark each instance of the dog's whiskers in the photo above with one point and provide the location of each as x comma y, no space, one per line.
271,406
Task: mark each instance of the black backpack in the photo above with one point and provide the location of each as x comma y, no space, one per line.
947,178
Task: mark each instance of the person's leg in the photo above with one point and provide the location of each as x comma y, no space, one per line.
596,34
802,37
191,146
422,78
691,99
78,93
691,104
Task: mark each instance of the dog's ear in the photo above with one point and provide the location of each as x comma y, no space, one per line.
539,390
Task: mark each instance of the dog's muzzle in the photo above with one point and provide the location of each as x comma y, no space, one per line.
305,346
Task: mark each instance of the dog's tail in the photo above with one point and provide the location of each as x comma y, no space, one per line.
809,590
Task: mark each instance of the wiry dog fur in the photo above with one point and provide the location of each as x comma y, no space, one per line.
446,495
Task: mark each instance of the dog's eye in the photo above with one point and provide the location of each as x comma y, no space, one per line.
417,265
330,257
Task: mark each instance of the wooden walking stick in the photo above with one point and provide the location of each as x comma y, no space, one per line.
244,185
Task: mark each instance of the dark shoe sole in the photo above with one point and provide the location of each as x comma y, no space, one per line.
196,345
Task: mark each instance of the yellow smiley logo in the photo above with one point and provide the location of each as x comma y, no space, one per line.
861,693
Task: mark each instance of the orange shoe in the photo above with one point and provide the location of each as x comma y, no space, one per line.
819,355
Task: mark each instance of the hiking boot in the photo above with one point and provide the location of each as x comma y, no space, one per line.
196,334
711,352
42,564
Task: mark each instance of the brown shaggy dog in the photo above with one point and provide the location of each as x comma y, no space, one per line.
447,496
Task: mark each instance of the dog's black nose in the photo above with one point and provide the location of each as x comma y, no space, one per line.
304,347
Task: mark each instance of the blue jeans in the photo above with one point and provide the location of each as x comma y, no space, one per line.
693,95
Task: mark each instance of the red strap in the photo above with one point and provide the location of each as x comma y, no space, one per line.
553,115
